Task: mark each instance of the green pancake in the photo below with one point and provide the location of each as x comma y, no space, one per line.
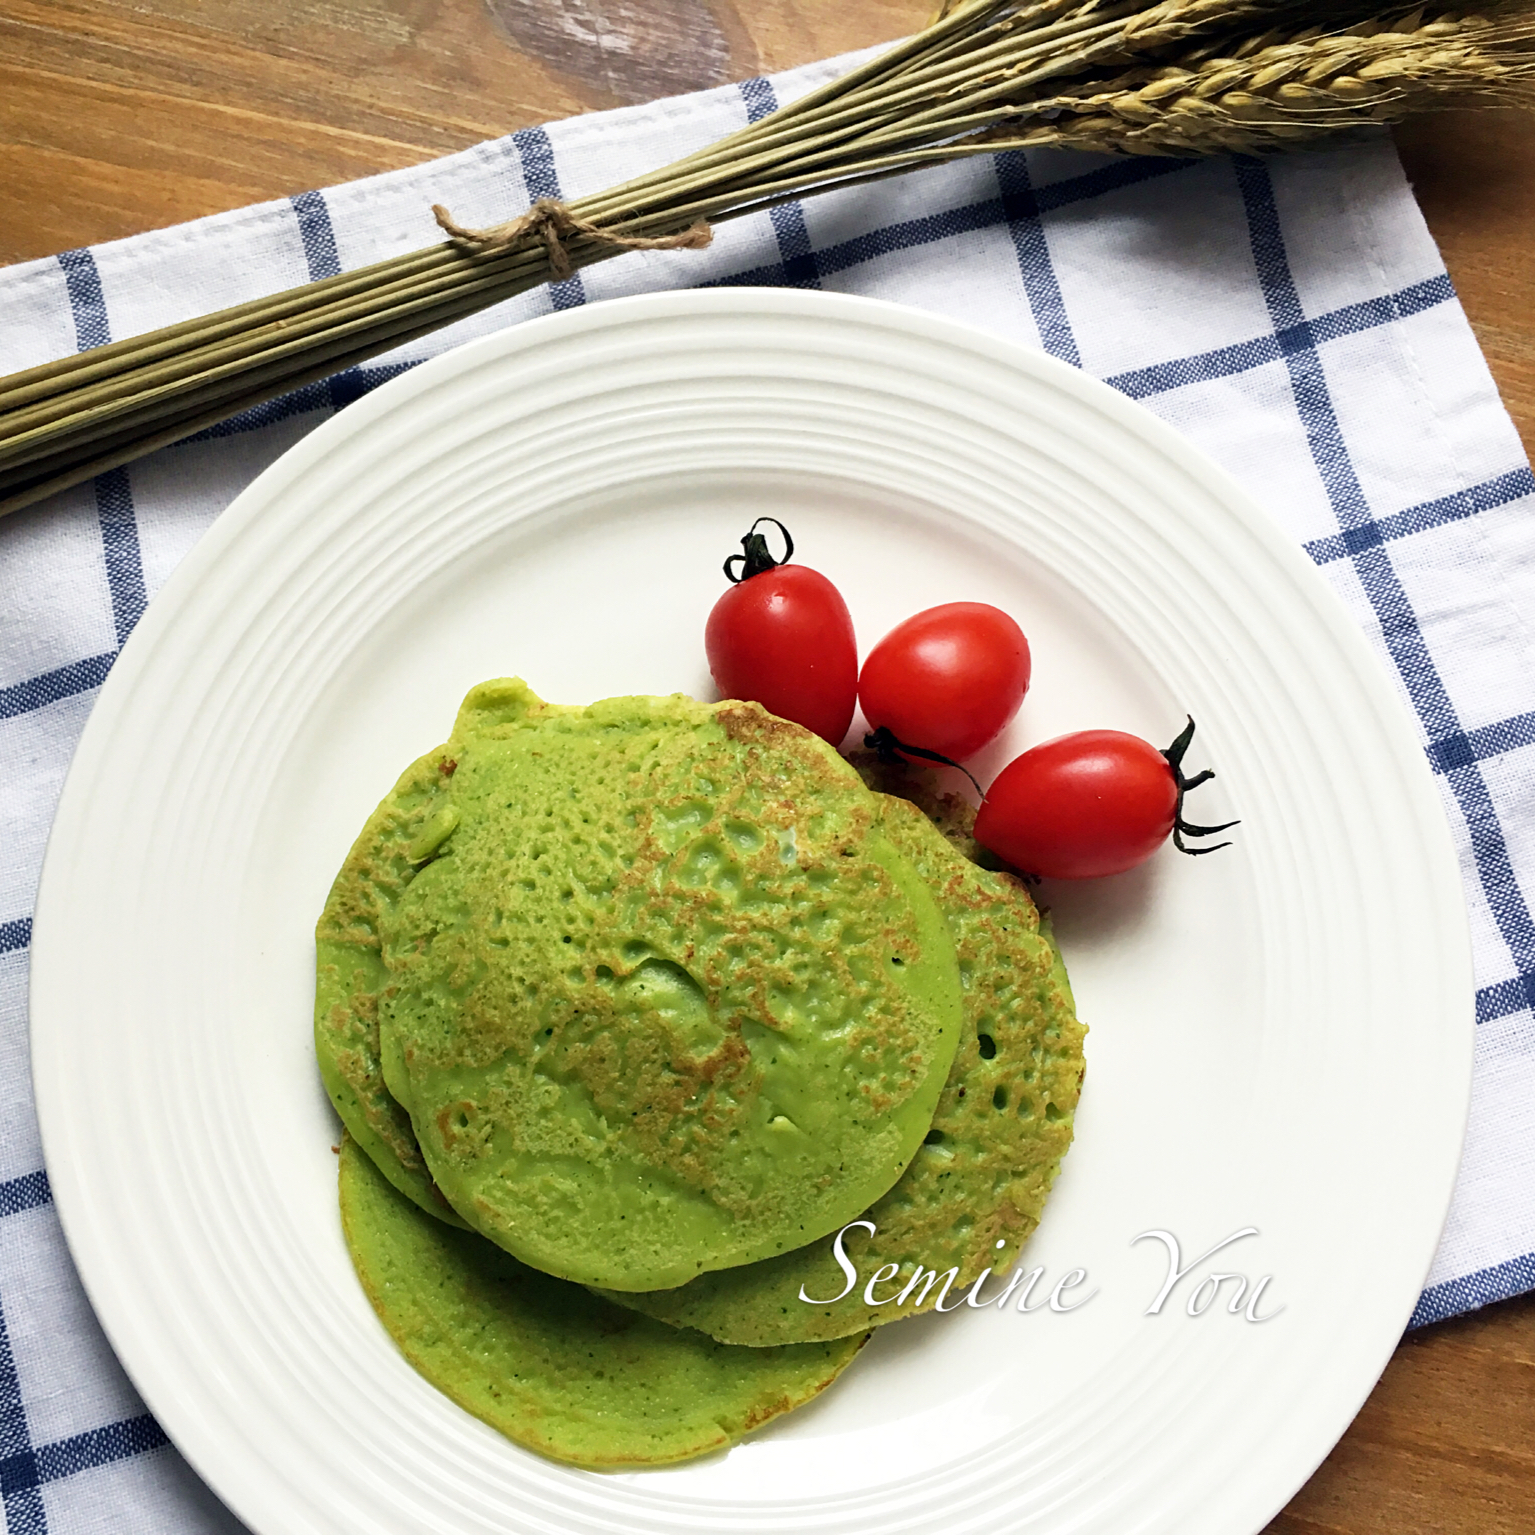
975,1191
661,997
350,974
550,1365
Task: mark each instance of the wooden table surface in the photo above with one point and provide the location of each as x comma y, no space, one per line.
122,115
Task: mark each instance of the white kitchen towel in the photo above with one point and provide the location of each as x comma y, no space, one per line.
1292,317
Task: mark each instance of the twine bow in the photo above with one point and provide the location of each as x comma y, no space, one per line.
552,222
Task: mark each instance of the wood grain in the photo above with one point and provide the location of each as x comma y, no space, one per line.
1446,1443
1474,174
635,50
123,115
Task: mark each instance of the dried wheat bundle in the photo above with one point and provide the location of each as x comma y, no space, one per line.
1181,77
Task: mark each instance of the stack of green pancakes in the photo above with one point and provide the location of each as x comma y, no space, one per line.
629,1010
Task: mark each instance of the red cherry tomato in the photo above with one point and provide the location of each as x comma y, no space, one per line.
1097,802
949,679
783,637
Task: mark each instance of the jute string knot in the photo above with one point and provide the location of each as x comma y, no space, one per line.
552,222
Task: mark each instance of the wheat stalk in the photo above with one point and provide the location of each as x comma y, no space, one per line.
1178,77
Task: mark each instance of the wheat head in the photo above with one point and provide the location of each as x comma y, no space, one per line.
1274,92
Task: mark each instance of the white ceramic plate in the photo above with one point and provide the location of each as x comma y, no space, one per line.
1281,1034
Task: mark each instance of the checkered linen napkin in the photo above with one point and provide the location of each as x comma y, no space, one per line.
1293,318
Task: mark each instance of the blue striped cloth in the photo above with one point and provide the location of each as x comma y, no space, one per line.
1293,318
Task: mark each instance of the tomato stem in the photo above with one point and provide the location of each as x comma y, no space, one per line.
757,556
883,742
1181,828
